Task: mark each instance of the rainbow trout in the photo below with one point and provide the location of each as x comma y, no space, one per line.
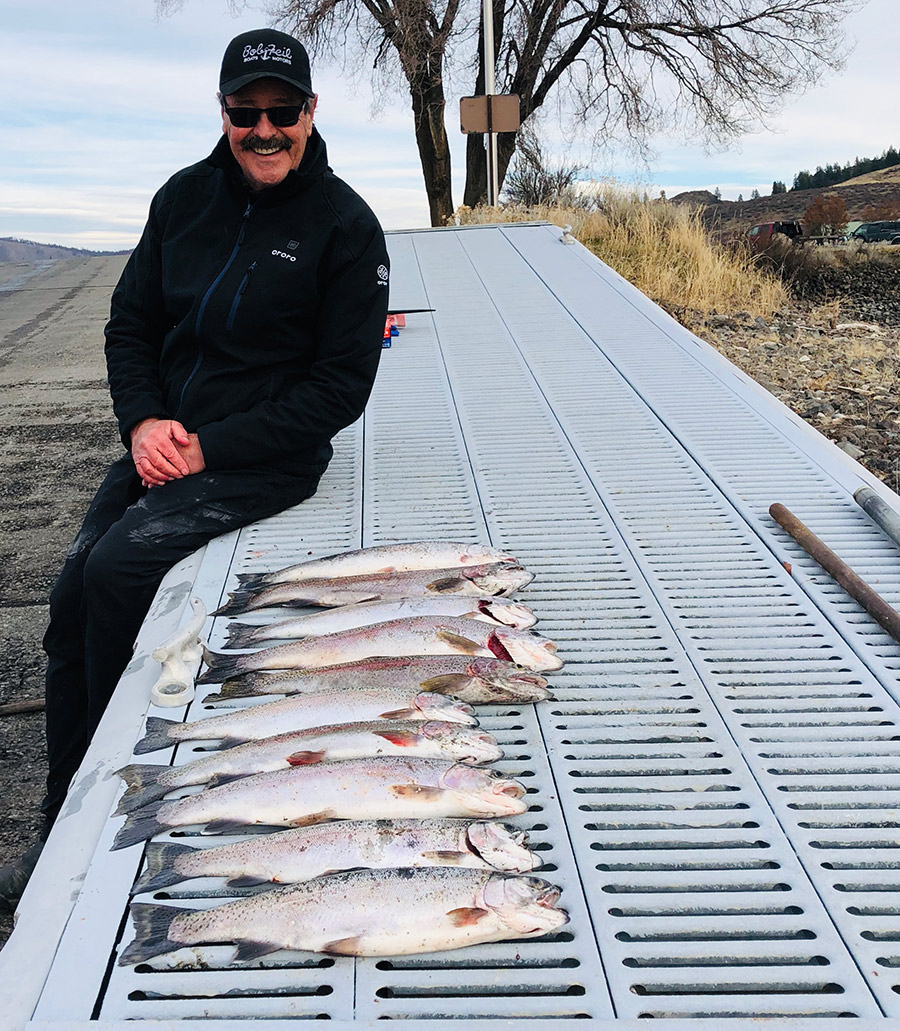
496,580
471,680
286,857
302,711
385,558
430,739
360,913
496,611
354,789
421,635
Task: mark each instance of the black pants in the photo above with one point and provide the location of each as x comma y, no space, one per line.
130,539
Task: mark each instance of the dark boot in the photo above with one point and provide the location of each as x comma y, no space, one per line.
15,877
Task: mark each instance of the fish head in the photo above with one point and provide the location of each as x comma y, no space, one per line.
506,613
525,649
500,580
502,845
442,707
489,792
526,905
506,681
462,743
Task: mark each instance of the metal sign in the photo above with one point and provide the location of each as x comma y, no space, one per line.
498,113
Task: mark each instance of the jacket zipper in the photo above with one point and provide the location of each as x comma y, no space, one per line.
242,289
205,300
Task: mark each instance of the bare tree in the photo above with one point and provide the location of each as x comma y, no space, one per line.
531,181
619,69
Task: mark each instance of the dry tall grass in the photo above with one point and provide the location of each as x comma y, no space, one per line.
663,249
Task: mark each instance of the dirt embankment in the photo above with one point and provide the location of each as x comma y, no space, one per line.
833,357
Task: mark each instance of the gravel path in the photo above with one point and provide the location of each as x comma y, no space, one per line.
58,436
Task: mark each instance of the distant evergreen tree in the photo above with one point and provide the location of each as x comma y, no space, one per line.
778,187
754,195
830,175
718,193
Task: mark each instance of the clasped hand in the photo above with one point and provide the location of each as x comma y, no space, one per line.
163,450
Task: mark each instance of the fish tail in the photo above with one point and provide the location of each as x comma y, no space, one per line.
160,871
139,826
151,932
253,581
241,635
143,786
158,735
221,667
239,601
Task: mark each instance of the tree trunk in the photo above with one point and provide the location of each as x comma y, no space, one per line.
434,149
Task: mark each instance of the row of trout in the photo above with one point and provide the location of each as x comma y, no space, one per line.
371,755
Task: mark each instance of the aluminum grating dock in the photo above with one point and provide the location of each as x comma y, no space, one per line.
715,785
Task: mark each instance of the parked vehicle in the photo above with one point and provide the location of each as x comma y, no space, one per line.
875,232
760,236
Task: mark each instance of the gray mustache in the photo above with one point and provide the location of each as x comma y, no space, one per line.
249,142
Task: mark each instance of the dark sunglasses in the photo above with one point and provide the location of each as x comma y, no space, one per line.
281,117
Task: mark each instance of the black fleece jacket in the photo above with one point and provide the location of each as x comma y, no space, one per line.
254,319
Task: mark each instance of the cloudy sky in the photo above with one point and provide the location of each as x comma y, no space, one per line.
105,101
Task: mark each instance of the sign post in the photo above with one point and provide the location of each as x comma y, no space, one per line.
493,187
490,114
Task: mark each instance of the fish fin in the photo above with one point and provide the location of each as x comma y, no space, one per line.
344,946
157,735
159,871
460,643
446,683
444,857
399,714
246,881
305,758
423,791
143,786
466,916
221,667
307,821
139,826
404,738
225,826
247,950
445,585
240,635
151,932
224,778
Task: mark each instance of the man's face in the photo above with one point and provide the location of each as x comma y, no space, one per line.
265,152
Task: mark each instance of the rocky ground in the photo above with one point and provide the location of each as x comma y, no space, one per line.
834,358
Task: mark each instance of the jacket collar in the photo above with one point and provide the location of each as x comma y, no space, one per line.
312,167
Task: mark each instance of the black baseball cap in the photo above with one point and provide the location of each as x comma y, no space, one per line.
265,54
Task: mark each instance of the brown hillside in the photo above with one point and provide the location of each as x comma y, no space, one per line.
883,175
857,194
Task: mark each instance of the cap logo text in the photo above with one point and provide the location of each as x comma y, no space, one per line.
267,52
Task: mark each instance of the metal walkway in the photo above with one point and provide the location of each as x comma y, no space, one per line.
716,785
